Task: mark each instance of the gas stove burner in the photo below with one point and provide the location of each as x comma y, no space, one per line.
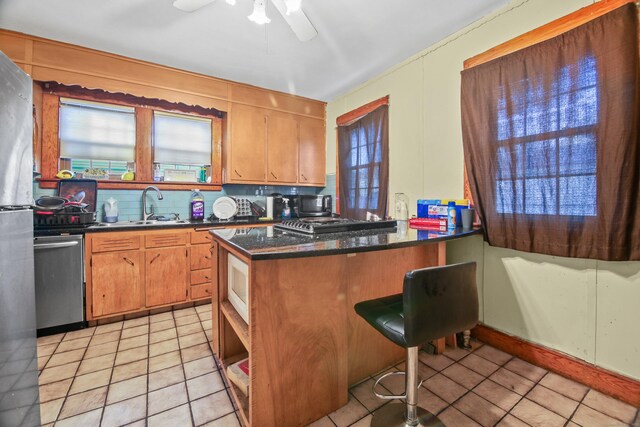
331,225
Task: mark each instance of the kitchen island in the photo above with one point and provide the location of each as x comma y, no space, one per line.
304,342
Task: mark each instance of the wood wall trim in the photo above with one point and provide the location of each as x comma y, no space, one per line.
144,154
611,383
547,31
50,148
50,60
353,115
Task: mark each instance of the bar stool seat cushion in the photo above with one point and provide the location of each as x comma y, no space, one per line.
386,316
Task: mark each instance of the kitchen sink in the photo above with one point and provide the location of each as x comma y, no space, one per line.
141,222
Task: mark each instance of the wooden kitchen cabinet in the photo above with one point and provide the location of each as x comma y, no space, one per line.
312,152
272,147
247,159
116,281
282,145
166,276
200,257
132,271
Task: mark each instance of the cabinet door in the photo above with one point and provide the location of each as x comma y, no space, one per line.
116,282
167,275
282,148
200,257
312,167
248,144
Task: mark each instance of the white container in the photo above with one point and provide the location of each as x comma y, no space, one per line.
269,207
111,210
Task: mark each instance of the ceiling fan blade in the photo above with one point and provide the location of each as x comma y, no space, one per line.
190,5
298,21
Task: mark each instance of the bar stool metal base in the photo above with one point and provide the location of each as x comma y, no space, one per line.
393,415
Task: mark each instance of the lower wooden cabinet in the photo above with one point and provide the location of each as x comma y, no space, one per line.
116,281
167,276
130,271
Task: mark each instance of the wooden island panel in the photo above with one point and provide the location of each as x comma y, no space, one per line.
298,340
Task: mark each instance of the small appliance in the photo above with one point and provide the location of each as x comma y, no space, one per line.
303,206
238,286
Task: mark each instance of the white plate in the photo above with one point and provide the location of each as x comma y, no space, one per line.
224,207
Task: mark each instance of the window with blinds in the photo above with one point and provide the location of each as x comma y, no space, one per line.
181,141
96,135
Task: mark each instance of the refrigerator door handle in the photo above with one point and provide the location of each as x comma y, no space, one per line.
41,246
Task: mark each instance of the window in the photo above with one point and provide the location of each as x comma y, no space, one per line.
546,156
363,164
550,136
96,137
181,142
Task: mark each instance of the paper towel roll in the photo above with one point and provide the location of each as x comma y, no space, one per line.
270,207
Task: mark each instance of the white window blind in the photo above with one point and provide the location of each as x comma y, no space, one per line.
97,131
180,139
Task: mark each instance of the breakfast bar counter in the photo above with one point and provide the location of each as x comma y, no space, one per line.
284,300
261,243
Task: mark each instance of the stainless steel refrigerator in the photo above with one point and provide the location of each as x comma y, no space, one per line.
19,403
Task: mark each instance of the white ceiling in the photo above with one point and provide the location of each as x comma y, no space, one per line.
357,38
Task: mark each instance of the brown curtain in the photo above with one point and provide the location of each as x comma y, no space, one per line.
551,142
363,162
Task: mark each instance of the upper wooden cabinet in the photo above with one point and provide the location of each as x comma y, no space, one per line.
271,147
247,152
313,152
282,149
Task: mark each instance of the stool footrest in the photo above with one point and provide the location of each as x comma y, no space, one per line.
389,396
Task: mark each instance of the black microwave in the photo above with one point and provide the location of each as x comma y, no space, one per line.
305,206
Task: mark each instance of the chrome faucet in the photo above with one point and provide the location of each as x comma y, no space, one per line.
146,215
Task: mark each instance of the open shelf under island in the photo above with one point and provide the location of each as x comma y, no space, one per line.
304,342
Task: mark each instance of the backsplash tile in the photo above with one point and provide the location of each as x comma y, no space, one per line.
130,201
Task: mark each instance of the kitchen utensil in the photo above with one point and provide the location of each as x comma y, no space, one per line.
244,207
224,207
50,203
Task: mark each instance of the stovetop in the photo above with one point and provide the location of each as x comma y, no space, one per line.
331,225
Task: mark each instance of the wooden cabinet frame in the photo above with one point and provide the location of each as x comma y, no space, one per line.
142,242
144,146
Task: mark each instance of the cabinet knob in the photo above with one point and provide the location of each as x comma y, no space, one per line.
154,258
128,260
304,177
237,173
272,174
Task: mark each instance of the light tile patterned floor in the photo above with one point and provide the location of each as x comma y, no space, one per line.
159,370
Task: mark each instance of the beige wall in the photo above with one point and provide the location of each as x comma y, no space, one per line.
588,309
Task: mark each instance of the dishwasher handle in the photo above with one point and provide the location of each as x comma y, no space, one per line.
59,245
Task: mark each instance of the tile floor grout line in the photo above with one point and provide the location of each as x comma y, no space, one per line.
74,377
184,373
469,391
113,368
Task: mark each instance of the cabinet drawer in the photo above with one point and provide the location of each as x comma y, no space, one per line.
108,242
163,240
201,291
198,237
201,276
201,257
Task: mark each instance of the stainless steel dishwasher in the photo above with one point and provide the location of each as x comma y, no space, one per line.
59,271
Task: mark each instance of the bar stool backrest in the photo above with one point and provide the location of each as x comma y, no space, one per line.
439,301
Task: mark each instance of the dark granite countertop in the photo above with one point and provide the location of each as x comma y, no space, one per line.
260,243
133,226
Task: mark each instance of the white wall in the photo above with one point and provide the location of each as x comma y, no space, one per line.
586,308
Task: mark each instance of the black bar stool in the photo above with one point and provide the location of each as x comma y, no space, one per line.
435,302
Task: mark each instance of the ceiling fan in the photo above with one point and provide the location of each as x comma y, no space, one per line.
289,9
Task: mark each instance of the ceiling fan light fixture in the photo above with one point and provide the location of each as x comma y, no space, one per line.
231,2
293,6
259,15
